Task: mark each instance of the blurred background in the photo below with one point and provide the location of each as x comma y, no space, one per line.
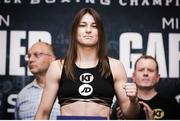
132,28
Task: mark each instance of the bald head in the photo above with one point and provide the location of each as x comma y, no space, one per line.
40,55
45,47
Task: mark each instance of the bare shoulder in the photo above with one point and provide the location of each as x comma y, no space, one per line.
117,69
115,63
58,64
55,69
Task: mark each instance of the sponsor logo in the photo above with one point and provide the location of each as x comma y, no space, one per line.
85,89
158,113
86,78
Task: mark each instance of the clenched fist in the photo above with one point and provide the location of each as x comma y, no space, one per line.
131,91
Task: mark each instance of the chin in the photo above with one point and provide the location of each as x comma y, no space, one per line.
33,71
145,85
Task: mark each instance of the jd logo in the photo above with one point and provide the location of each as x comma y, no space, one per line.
86,77
85,89
158,113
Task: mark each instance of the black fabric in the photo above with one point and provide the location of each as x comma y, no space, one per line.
161,105
169,107
102,88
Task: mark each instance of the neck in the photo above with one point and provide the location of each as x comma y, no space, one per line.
40,80
87,57
146,94
87,51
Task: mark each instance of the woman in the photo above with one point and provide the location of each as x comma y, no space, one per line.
86,81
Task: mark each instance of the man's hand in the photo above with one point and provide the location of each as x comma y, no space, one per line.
119,113
148,111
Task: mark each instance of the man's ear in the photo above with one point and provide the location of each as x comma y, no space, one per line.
53,58
133,77
158,77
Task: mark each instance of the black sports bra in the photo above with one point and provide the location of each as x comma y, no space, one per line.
88,86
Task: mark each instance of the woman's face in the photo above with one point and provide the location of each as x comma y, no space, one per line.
87,32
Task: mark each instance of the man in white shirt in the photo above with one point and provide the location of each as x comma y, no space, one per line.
40,55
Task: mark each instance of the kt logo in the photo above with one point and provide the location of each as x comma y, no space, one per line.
85,89
158,113
86,78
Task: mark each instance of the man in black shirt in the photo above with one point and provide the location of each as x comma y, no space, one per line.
153,106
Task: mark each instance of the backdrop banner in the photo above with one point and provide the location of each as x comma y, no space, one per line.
133,27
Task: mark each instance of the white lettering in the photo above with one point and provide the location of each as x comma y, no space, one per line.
50,1
177,97
7,1
128,59
177,2
17,1
12,101
172,22
145,3
105,2
68,1
16,51
128,42
35,36
90,1
157,2
3,46
168,2
156,49
4,20
174,55
134,3
34,1
122,3
177,23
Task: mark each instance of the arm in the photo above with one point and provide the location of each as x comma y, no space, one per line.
50,91
148,111
126,93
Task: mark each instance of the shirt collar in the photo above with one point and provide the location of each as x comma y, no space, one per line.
34,84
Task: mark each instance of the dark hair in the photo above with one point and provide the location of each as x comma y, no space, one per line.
102,53
147,57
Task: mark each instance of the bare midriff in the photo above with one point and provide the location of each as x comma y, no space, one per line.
79,108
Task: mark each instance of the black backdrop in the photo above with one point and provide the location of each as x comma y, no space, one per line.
132,28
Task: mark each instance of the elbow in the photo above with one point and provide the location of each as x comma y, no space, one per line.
42,115
133,111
